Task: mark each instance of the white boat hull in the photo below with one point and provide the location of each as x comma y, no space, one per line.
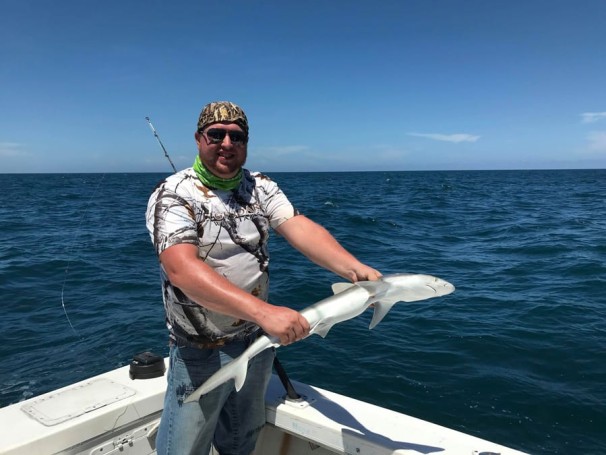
112,414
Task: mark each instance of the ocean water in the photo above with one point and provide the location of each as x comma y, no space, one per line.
516,355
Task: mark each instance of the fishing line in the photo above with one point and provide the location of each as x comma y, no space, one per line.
79,230
77,236
69,255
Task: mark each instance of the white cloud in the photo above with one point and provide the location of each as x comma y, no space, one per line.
12,149
597,141
592,117
456,138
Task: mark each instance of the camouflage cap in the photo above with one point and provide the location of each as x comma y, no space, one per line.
222,111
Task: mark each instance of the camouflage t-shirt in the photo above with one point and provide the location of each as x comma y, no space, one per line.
231,231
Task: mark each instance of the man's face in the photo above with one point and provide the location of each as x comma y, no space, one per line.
221,154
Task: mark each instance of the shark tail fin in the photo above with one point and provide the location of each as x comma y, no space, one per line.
381,307
241,368
235,370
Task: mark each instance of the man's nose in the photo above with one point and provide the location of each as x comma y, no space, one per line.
226,142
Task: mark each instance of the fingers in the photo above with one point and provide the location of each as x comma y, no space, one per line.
295,332
374,275
364,273
285,324
289,338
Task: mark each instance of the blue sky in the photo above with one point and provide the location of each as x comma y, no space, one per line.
327,85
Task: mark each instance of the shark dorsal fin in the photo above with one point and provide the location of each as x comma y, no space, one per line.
337,288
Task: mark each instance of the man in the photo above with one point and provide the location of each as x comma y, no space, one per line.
210,225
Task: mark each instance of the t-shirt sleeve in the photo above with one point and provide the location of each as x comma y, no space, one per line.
170,220
277,206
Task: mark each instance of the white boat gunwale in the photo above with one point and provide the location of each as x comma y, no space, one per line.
326,423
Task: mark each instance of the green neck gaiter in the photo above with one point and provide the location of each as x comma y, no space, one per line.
212,181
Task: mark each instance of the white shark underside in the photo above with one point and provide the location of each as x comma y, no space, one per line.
349,301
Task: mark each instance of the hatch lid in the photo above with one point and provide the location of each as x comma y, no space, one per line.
73,402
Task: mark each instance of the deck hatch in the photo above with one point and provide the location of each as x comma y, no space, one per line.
70,403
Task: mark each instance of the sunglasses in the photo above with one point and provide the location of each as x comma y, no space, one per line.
216,136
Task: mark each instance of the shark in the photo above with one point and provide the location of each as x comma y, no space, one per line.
349,300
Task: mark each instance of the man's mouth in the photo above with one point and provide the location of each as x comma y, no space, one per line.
226,156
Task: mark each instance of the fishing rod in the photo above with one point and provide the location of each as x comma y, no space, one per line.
160,142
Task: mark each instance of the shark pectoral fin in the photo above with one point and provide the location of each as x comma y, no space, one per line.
337,288
381,309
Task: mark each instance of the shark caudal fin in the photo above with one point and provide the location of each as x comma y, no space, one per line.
235,370
241,370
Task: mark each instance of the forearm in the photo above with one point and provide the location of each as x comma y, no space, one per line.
317,244
209,289
325,251
204,286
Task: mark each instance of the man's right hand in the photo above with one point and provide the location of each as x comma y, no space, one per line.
284,323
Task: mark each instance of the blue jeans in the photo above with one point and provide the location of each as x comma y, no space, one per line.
229,419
